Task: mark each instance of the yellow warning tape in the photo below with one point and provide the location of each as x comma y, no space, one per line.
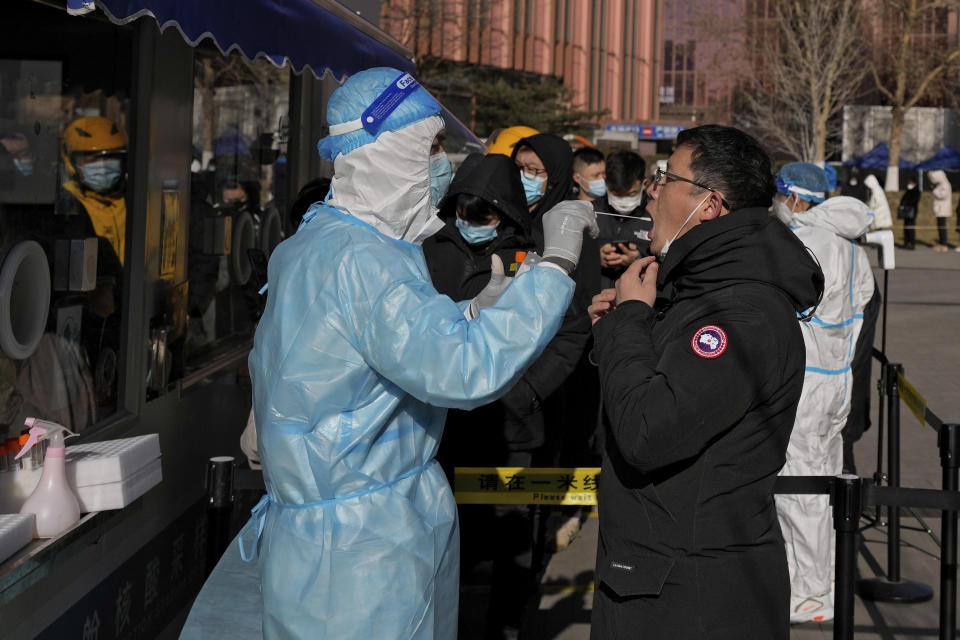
912,398
526,485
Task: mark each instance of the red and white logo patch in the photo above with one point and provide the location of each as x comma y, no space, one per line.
709,341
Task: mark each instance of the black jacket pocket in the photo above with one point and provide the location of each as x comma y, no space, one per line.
635,575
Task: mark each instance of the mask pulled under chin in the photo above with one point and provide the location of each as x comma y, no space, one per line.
386,183
666,245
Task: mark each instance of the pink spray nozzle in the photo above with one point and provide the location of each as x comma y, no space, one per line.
35,433
44,430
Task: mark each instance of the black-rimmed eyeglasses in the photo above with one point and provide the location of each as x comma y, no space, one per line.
661,174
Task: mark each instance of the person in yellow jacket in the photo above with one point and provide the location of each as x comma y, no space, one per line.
93,151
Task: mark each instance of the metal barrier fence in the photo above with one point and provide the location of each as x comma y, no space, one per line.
893,587
850,497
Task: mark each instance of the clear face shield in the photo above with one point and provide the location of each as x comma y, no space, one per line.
458,141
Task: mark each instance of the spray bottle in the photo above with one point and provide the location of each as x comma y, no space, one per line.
53,502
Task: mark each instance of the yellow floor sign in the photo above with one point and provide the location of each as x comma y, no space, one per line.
526,485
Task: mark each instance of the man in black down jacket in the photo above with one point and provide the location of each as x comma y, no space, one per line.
701,366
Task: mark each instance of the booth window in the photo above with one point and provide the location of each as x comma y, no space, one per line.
64,105
238,196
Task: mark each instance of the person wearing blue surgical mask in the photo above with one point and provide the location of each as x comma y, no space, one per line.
100,173
485,215
545,162
17,146
93,153
441,172
533,175
589,174
92,203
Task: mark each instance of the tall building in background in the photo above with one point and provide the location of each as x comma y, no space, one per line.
708,51
603,50
673,63
706,56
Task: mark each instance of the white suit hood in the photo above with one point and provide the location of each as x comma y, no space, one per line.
386,183
937,176
844,216
878,203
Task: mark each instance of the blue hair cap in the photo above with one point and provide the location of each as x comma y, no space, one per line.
831,174
359,92
805,179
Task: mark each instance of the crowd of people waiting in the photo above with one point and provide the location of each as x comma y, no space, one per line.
710,335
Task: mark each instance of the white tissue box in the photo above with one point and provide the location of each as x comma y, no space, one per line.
117,495
111,460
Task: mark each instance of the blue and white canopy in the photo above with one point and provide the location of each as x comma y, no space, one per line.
317,34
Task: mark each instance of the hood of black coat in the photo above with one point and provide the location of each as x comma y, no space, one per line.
494,178
557,158
748,245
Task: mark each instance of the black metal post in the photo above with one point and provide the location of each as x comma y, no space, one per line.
893,588
847,506
949,441
893,471
220,498
878,476
883,334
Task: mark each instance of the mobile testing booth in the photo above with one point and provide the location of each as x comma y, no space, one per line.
128,301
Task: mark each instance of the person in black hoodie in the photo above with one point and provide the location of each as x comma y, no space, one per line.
562,380
485,214
701,364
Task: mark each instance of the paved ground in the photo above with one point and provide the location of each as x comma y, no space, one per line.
922,333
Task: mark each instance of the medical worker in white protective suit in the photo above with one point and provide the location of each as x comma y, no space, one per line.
829,229
354,365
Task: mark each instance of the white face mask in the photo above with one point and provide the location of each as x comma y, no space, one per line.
624,204
666,245
783,212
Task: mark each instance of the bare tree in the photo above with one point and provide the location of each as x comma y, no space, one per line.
808,63
433,28
913,58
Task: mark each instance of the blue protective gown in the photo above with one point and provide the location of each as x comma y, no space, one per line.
354,361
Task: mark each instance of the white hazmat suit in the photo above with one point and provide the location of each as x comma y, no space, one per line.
354,363
816,444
